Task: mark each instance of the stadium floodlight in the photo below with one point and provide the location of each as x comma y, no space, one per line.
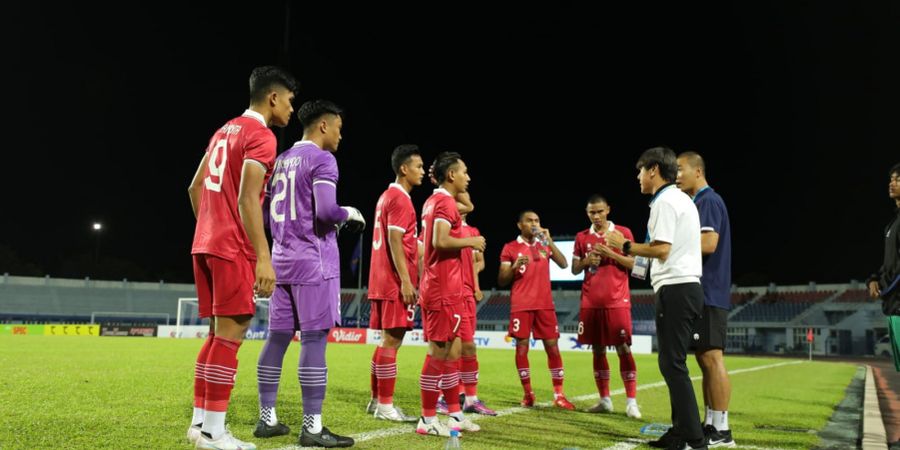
97,226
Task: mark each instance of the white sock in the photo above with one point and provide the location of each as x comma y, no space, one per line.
385,406
708,420
267,414
471,400
720,420
198,416
458,416
630,400
606,399
214,424
429,419
312,423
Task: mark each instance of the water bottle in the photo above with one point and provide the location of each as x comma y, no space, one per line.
453,442
539,235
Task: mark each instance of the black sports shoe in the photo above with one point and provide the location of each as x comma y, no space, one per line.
667,438
716,438
325,439
264,430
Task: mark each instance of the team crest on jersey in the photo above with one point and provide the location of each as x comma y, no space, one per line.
543,253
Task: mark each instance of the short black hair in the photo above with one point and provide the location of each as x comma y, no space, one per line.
525,211
443,163
695,160
265,79
402,154
596,198
663,158
310,112
895,170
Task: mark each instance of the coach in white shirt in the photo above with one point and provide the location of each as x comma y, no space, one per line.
673,253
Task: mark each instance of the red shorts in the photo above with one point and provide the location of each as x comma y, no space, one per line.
541,322
604,327
224,288
447,323
467,333
388,314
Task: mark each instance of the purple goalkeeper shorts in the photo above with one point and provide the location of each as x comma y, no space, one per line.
305,306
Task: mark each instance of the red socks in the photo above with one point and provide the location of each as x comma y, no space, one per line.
522,367
468,374
386,372
629,374
428,383
554,362
221,371
601,374
200,373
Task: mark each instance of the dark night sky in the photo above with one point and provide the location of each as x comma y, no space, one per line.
793,106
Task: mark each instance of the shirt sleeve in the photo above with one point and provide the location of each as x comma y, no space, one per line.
627,233
710,216
506,255
327,209
399,216
261,148
446,210
663,223
578,250
325,170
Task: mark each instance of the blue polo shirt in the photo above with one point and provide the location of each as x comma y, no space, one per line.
716,277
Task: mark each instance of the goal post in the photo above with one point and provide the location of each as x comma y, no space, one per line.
188,313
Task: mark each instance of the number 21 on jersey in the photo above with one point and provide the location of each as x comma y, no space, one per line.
283,192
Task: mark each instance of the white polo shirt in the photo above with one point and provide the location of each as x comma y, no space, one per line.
674,219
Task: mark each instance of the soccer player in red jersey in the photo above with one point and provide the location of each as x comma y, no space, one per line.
231,255
393,278
525,262
442,296
473,264
605,316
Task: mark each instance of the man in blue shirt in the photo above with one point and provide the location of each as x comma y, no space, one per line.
715,245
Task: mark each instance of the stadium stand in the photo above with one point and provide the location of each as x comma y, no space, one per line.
763,319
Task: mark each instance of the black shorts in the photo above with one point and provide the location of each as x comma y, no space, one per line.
712,328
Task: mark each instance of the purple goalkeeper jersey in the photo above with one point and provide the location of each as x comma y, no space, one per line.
305,247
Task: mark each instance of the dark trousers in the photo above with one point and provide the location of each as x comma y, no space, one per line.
678,306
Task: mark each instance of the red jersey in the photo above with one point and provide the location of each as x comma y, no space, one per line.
219,230
607,287
441,280
531,282
394,211
468,259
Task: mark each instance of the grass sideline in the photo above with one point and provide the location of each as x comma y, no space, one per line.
88,392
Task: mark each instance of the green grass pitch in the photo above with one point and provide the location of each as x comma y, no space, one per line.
117,393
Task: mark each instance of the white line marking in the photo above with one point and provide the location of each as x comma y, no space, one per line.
631,443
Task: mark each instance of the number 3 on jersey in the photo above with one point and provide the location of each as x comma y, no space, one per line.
216,168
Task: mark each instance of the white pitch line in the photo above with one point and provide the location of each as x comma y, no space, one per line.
395,431
631,443
627,444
